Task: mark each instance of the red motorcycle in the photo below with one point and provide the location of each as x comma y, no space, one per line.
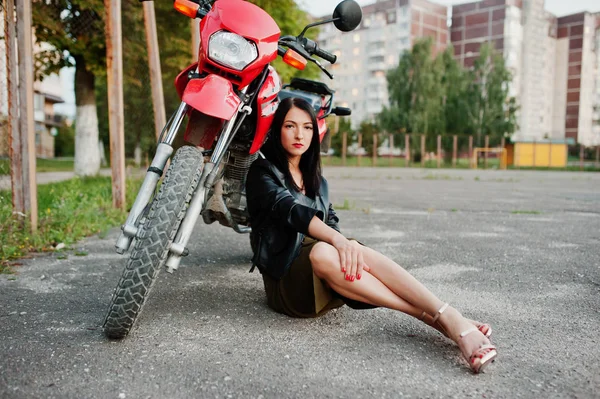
229,97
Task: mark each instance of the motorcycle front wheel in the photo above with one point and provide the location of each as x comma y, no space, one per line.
153,240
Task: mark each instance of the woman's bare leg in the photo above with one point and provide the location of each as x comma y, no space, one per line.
412,295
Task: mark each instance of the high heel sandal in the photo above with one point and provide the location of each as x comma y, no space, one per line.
482,356
485,329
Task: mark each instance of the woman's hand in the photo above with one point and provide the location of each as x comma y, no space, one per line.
351,257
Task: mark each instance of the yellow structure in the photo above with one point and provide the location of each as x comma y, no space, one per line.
539,154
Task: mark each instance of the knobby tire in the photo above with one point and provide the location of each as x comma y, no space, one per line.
153,240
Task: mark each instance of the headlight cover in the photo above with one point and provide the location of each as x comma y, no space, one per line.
231,50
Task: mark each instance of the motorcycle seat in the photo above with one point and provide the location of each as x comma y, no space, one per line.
311,86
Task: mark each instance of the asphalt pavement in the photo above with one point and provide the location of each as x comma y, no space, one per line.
517,249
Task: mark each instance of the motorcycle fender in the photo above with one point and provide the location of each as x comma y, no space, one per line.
202,129
182,79
212,95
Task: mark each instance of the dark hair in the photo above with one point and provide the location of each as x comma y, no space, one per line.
310,162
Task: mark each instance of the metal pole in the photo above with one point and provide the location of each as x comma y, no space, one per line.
470,147
114,61
598,156
375,150
422,150
454,150
158,99
359,146
344,144
485,155
439,149
27,126
14,138
407,150
391,154
581,156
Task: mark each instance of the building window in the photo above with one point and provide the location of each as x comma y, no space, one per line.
38,102
357,38
356,51
355,92
391,17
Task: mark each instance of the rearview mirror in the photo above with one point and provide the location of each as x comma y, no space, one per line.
347,15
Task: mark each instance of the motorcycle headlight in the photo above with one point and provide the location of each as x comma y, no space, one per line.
231,50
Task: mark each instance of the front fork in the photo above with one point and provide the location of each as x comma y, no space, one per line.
155,171
209,174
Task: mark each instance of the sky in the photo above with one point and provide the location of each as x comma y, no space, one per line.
557,7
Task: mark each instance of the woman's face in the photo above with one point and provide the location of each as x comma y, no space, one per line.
296,132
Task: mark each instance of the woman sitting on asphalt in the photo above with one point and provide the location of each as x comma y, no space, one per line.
308,266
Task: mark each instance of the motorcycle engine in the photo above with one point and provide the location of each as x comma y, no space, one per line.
230,191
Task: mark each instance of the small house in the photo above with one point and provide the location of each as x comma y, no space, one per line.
546,153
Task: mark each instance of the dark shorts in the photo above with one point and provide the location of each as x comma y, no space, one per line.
300,293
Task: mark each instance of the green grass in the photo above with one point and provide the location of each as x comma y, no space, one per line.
68,211
347,205
526,212
42,165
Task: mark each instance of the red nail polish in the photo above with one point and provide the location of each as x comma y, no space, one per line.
351,278
358,277
344,270
347,277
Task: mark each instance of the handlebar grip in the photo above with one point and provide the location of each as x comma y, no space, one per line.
326,55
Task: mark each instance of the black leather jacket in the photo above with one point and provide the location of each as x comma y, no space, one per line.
279,218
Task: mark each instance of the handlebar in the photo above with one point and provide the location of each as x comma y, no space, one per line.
306,47
326,55
313,48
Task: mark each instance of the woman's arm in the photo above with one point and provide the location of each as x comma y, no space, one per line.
351,258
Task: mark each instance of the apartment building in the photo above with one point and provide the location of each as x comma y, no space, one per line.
46,93
553,60
388,28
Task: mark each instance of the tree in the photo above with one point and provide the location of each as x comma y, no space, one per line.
343,126
75,31
368,130
416,94
64,142
490,109
455,84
